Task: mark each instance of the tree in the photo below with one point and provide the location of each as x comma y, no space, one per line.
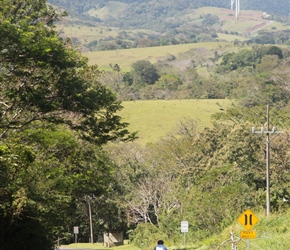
21,228
210,19
243,58
144,72
274,50
44,79
46,184
54,115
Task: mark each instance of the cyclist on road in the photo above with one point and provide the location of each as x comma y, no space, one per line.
160,245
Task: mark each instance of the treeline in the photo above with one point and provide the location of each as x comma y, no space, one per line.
169,36
272,37
193,34
208,74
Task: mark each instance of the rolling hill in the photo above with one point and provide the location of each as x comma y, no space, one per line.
159,8
112,25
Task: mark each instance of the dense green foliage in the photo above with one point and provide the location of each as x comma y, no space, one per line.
252,75
55,115
272,37
43,79
144,72
207,178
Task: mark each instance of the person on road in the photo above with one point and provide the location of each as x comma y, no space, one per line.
160,245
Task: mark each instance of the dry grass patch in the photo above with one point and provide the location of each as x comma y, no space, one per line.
125,57
156,118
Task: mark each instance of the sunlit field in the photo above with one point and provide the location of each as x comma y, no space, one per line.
156,118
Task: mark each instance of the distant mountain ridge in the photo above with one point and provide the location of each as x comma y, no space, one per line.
123,24
277,7
168,7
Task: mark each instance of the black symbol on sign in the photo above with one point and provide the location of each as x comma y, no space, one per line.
250,220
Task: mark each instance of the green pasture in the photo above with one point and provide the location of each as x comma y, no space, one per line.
230,38
276,26
86,34
125,57
153,119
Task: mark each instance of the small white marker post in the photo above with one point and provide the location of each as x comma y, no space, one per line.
184,228
76,231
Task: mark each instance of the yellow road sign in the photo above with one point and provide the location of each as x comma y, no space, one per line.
248,219
248,235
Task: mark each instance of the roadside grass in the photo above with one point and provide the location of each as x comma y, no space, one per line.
98,246
154,119
272,232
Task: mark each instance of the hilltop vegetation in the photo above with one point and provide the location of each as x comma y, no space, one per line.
252,75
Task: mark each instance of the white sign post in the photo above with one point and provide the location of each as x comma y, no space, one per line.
76,231
184,228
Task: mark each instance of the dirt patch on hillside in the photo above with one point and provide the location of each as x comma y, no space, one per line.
258,26
245,16
181,64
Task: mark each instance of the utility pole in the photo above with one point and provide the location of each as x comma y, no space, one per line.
88,199
91,222
267,132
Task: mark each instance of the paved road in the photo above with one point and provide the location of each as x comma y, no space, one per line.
63,248
78,248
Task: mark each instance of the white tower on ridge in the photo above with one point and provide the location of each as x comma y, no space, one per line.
237,5
232,4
